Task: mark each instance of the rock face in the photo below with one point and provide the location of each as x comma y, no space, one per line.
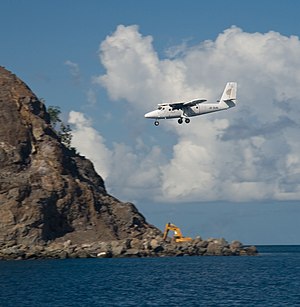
54,205
48,192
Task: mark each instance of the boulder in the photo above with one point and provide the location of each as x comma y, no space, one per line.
214,249
251,250
235,247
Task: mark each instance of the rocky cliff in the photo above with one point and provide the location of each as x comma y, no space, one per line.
48,192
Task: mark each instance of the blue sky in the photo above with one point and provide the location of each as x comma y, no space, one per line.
105,63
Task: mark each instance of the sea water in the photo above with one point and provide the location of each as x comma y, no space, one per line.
270,279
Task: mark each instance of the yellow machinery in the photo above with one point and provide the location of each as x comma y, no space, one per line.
178,237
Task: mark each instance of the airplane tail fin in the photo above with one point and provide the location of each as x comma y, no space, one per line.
228,98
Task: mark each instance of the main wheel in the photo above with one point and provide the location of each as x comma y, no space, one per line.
156,123
180,121
187,120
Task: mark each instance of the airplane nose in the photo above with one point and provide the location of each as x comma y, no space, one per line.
150,114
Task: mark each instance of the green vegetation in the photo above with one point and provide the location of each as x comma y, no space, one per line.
62,130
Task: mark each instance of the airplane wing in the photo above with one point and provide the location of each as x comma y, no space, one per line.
176,105
194,102
180,105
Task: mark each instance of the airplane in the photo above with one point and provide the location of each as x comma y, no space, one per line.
184,110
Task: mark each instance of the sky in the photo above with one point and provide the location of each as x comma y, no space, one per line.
233,174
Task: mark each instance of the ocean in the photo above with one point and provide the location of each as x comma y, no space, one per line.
270,279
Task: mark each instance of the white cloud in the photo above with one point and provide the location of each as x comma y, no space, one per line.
74,70
127,169
90,143
248,153
135,173
91,97
135,73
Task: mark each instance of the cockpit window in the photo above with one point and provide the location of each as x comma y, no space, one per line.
159,108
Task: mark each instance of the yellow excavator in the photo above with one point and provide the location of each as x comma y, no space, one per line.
178,237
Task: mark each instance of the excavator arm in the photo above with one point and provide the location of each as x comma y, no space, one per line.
166,231
178,237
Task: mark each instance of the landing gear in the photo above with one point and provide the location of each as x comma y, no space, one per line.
180,120
156,123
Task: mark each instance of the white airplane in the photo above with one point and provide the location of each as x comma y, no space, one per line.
184,110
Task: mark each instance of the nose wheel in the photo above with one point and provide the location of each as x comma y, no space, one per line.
156,123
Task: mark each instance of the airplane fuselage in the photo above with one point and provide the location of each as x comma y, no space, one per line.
184,110
164,112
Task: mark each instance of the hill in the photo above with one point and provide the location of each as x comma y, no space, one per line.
48,192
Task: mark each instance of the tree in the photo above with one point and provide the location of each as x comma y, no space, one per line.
62,130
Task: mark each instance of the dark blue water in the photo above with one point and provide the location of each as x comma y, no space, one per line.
271,279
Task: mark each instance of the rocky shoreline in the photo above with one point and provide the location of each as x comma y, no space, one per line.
155,247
